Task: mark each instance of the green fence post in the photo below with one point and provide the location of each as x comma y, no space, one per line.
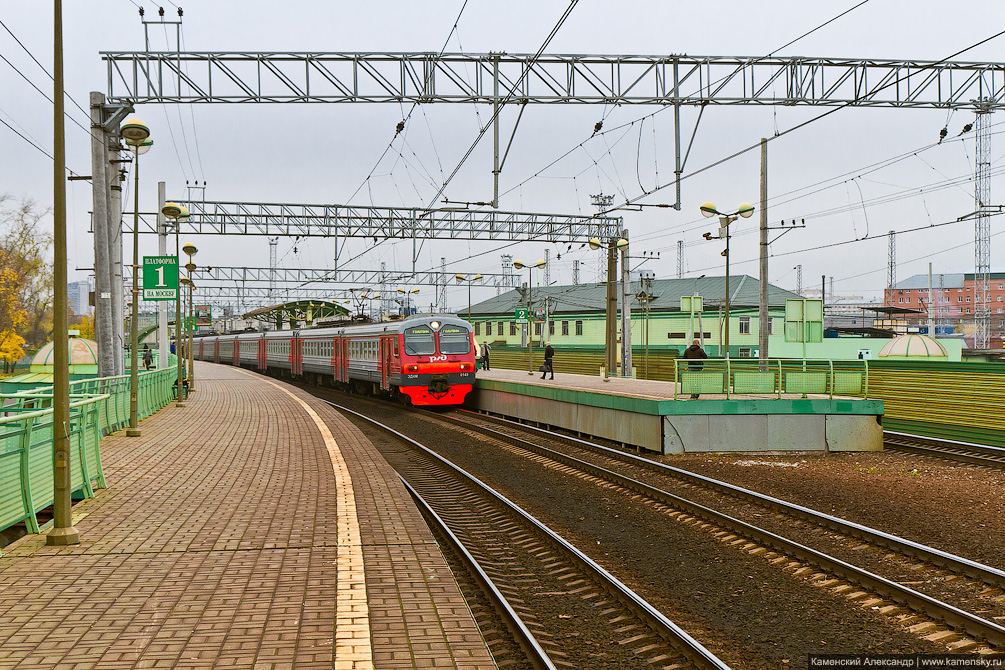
29,504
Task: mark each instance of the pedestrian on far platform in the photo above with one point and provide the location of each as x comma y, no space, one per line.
696,354
549,354
486,349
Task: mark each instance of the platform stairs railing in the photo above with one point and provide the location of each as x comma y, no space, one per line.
775,377
97,407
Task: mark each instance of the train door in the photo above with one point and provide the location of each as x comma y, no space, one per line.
262,353
385,363
216,351
296,355
201,354
237,352
345,358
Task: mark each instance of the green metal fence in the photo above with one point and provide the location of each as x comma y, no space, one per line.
773,377
97,408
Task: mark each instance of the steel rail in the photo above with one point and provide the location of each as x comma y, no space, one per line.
531,647
952,450
952,616
660,624
937,557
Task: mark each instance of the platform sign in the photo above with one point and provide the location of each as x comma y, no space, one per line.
522,315
203,315
690,303
804,320
540,314
160,278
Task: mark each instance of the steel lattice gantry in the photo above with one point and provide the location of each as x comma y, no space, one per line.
237,276
342,221
222,77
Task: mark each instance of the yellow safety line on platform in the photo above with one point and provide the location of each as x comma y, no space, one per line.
352,613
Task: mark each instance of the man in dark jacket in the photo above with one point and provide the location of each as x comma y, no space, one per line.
486,350
549,353
696,354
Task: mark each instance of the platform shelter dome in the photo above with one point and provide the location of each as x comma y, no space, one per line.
83,357
914,346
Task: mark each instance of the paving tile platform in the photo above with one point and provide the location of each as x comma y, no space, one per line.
255,527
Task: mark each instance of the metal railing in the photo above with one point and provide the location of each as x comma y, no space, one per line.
97,407
770,377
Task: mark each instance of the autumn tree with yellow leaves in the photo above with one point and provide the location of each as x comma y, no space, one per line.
25,278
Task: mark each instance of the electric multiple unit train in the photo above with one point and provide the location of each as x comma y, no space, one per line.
430,358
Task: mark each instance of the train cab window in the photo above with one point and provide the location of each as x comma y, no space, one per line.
420,341
455,340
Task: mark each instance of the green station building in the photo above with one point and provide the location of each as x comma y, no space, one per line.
576,318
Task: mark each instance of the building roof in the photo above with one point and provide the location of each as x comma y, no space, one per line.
954,280
666,296
913,345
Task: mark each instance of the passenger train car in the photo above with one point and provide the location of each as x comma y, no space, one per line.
430,358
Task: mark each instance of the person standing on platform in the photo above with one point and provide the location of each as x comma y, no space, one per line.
549,354
696,354
486,349
148,357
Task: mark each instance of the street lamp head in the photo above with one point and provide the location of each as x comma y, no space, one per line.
707,236
190,266
459,278
745,210
699,277
595,243
134,132
540,264
518,264
415,290
189,249
171,210
622,243
708,210
184,280
477,278
143,146
401,290
725,252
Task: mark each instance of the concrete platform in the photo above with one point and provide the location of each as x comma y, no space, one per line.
644,414
254,528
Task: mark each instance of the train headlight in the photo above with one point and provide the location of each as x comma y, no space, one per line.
434,324
465,367
412,368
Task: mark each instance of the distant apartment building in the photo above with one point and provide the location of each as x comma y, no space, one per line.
952,302
78,293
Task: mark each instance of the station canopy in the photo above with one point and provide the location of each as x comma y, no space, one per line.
297,312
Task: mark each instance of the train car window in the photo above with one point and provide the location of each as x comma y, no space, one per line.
455,340
419,341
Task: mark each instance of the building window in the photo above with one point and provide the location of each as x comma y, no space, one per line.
512,327
551,327
744,326
565,327
968,310
998,299
499,327
999,310
968,298
744,352
900,300
959,298
537,328
771,326
676,336
488,328
478,329
579,328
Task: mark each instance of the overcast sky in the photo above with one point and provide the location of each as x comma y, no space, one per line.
325,153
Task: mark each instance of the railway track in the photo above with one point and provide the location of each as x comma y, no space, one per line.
961,452
890,593
546,590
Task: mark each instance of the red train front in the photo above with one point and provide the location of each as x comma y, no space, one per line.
436,361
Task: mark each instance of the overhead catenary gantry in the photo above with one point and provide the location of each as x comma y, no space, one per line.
345,221
238,276
228,77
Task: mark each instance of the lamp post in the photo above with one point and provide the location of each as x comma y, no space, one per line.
707,210
137,136
176,213
407,292
519,265
464,279
190,251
